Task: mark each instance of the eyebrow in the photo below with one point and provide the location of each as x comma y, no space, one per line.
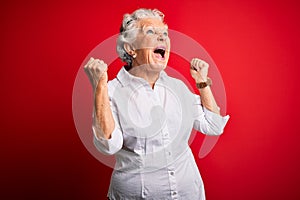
144,26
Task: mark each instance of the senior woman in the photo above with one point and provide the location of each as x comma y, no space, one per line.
145,118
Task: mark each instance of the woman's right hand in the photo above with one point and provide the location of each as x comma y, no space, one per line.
103,121
96,71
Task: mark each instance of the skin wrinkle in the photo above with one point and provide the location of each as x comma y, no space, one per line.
150,51
146,64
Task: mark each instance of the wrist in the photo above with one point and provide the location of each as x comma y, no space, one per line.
101,91
201,79
200,84
102,85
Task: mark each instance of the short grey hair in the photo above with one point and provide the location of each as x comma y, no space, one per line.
128,30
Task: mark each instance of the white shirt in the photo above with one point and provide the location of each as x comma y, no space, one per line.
150,139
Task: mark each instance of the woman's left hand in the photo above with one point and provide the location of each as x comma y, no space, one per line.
199,70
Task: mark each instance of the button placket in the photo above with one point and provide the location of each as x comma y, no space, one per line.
165,134
169,158
144,192
174,195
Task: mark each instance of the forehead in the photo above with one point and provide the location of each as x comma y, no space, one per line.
151,22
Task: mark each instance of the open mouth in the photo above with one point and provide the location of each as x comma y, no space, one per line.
160,51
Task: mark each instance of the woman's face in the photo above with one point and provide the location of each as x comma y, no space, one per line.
152,44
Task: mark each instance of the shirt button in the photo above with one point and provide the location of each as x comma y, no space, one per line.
174,193
169,153
144,193
172,173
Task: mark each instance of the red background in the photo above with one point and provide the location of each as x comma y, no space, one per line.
254,44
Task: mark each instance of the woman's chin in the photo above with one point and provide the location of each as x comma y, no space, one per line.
158,66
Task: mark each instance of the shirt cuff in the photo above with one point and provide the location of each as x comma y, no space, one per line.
109,146
216,121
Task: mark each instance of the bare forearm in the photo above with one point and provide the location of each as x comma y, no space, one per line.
199,71
103,112
208,100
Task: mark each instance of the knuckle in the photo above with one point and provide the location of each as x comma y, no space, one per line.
94,67
88,68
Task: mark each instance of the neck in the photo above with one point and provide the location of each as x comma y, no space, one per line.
143,72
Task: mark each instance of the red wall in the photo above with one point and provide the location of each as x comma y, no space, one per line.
255,45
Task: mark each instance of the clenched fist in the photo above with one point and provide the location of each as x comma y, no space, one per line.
199,70
96,71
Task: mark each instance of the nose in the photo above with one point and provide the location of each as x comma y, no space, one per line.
161,37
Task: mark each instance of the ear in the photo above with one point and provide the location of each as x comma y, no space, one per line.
129,49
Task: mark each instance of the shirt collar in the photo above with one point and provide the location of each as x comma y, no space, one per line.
126,78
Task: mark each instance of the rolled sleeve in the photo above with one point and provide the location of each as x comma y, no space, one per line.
216,122
115,142
109,146
208,122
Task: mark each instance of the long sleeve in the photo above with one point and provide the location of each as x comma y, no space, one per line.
206,121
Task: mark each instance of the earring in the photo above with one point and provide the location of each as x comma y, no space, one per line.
134,55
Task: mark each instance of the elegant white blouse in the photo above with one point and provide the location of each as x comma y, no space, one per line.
150,139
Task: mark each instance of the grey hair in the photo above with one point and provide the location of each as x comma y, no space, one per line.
128,30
